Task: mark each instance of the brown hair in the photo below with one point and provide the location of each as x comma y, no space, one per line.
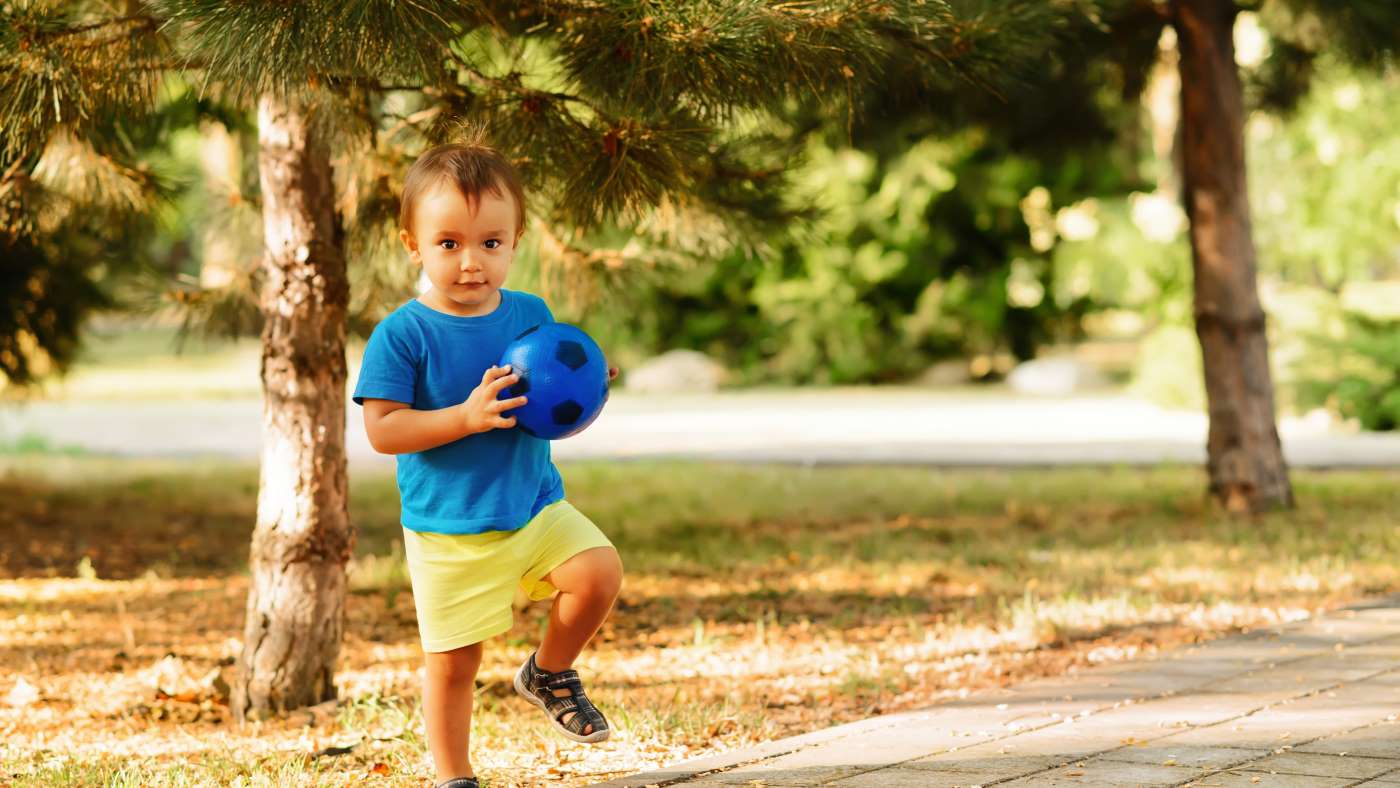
473,167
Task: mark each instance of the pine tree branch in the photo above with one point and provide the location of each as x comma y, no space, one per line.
138,21
514,86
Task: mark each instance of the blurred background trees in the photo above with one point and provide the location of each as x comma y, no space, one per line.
1007,246
984,213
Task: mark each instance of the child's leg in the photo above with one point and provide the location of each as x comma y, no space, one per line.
447,708
588,585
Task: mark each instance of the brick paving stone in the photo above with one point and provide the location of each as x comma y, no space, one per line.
1065,742
1237,779
902,777
1266,730
1374,741
1181,711
987,767
1187,755
764,774
1107,773
898,744
1296,722
1322,765
1290,680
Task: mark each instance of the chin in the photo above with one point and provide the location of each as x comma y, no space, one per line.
472,297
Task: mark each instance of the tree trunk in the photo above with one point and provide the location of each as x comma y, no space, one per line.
1245,458
303,538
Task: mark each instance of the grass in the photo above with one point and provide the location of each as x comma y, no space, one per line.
759,602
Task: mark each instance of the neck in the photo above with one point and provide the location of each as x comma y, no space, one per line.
435,299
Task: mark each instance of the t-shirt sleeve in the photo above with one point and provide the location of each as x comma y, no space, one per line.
540,310
390,365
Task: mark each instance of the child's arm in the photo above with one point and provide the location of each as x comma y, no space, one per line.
395,428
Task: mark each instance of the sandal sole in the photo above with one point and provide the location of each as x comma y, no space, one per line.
524,692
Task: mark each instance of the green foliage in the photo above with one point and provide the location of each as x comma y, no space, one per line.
917,247
72,65
1358,373
40,296
906,260
80,112
1324,181
663,143
638,113
252,48
1365,32
1167,369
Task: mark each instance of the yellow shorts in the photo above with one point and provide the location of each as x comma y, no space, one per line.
464,584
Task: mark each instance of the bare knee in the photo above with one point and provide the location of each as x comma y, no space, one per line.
610,575
604,576
457,666
594,574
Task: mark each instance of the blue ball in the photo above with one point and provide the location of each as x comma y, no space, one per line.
564,376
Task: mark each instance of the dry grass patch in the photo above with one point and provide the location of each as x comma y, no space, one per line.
759,602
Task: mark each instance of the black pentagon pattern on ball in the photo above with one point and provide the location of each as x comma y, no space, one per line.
566,412
521,387
528,331
571,354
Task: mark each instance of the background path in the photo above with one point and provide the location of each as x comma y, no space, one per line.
1308,704
915,426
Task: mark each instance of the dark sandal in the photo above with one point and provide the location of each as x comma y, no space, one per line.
458,782
538,686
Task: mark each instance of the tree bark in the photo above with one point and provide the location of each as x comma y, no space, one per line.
303,538
1245,458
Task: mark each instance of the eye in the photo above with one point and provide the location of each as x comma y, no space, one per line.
495,241
448,244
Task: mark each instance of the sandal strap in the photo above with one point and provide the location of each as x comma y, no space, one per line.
585,713
558,706
588,714
564,679
544,683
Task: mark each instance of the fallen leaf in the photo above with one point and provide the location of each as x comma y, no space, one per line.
22,694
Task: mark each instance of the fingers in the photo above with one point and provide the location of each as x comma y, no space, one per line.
612,372
493,373
503,405
495,421
495,387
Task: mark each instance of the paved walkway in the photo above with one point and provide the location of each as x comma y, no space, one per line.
1307,704
813,426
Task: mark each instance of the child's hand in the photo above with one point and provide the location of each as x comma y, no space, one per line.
612,373
482,411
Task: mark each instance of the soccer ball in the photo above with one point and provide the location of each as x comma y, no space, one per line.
564,375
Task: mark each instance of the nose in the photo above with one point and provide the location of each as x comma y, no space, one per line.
469,264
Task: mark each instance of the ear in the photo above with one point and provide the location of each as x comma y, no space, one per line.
410,244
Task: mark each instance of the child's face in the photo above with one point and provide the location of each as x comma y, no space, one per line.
465,246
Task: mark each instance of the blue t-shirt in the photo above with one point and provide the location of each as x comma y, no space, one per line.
492,481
